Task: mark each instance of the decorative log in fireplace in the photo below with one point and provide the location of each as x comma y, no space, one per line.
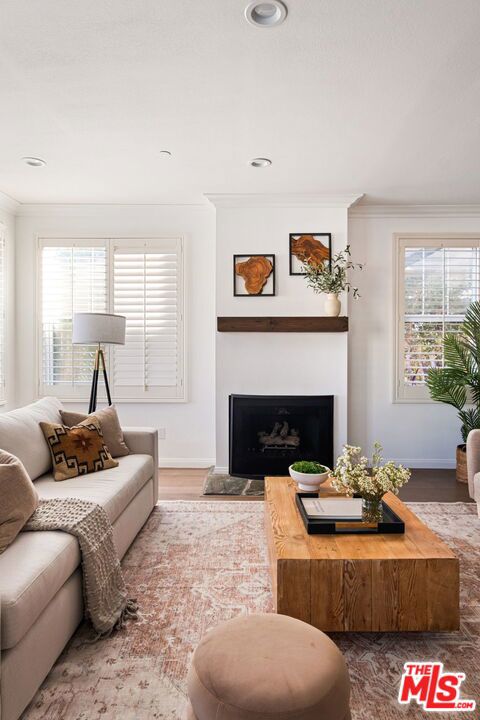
269,433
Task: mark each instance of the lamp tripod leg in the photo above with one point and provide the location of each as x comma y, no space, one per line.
105,378
93,391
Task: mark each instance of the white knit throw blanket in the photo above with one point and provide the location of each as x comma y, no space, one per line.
107,605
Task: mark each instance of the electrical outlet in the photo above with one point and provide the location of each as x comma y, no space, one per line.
162,433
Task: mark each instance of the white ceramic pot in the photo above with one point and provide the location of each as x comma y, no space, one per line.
308,482
332,305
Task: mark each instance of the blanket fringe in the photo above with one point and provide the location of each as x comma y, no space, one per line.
129,612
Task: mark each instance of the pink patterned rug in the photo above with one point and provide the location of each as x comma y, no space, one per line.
197,563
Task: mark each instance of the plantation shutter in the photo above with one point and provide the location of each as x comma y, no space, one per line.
2,318
73,278
148,290
438,281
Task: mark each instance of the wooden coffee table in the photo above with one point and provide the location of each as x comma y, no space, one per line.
359,582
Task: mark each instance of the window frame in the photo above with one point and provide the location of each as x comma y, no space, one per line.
109,242
403,394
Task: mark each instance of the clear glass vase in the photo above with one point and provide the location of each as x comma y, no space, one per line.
372,510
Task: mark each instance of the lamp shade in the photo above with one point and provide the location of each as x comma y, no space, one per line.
89,328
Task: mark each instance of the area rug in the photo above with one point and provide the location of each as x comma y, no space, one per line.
197,563
224,484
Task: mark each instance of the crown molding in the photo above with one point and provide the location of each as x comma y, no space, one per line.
414,211
281,200
93,209
9,204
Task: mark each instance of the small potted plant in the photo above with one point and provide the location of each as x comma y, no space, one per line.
352,476
332,279
308,475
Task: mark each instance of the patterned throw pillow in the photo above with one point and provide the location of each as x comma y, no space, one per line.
77,450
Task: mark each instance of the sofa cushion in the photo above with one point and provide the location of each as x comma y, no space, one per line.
110,424
21,435
113,489
78,450
37,564
18,498
476,489
32,571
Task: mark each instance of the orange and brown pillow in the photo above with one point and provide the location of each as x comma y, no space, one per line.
77,450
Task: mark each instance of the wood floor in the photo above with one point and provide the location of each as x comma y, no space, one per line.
424,486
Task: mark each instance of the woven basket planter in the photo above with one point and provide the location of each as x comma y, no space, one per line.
462,475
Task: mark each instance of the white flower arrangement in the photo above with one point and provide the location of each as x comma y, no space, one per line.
351,474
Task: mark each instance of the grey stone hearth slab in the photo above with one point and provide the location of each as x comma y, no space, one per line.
220,484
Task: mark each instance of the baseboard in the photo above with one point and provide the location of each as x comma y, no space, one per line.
219,470
414,463
428,464
186,462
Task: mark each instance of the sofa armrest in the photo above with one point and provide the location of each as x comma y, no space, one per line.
144,441
473,458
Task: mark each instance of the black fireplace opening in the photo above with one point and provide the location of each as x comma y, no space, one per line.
270,432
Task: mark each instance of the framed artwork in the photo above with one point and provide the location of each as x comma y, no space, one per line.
316,247
253,275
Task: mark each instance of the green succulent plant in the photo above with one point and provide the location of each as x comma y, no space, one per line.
309,467
458,383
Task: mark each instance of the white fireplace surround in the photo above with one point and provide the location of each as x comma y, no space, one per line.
277,363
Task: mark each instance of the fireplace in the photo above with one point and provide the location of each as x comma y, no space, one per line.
268,433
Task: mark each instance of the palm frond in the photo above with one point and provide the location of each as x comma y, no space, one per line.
470,330
458,356
459,381
448,386
470,421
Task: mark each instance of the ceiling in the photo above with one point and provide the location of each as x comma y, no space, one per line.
380,97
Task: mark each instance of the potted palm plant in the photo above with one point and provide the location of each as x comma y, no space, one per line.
458,382
331,279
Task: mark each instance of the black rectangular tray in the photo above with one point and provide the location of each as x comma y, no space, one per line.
390,523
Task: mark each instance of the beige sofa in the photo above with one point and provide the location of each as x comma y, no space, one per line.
473,466
40,575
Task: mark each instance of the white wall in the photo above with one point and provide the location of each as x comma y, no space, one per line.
421,435
276,363
189,427
7,228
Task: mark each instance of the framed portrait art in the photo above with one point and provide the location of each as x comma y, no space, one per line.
309,247
253,275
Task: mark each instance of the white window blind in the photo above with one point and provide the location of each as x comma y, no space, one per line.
3,339
73,278
148,290
438,279
141,279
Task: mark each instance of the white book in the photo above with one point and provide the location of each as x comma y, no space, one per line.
334,508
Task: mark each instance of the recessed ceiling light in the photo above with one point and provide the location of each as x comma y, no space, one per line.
34,161
260,162
165,153
266,14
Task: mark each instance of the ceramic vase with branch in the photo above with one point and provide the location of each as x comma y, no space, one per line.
332,279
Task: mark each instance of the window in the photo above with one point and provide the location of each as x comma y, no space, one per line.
141,279
147,290
3,338
438,277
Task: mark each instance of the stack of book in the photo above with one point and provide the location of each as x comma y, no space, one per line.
337,509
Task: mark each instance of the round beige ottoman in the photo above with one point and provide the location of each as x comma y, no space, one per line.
267,666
